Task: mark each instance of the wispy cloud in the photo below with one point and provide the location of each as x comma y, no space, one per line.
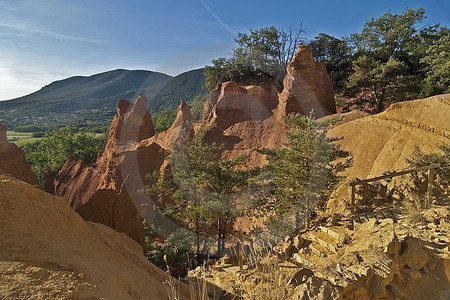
50,33
224,25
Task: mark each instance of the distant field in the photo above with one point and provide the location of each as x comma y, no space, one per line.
18,134
21,138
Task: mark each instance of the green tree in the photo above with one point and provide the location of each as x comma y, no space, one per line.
376,83
395,45
262,52
336,54
164,119
438,61
201,191
391,35
50,153
307,169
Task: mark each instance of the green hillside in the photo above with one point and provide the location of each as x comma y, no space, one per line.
93,99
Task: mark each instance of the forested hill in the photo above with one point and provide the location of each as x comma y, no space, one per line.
94,98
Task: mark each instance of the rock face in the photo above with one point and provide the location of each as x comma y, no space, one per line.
244,119
383,142
48,252
13,162
132,122
307,86
183,124
108,191
237,104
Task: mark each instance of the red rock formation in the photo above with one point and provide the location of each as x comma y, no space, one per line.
244,120
183,122
211,102
107,192
241,103
13,162
307,86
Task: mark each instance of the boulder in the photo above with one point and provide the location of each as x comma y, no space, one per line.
283,249
413,254
301,276
316,289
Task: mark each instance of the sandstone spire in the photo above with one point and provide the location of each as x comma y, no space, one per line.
307,86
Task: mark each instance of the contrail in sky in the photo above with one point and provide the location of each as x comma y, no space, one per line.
51,33
226,26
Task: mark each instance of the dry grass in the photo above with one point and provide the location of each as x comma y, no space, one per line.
271,282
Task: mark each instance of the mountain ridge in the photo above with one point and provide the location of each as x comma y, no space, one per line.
93,99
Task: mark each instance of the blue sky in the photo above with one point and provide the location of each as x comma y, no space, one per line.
46,40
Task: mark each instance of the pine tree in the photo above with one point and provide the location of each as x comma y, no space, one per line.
305,171
201,189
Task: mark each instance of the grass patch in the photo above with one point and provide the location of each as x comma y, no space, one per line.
15,133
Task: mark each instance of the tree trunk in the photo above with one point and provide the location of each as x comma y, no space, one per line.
219,233
308,213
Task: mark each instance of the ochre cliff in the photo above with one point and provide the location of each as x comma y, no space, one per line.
383,142
47,251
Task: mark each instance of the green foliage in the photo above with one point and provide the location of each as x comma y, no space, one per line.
50,153
29,128
336,54
163,120
263,52
391,35
438,60
201,190
376,83
393,54
442,174
165,255
305,172
197,106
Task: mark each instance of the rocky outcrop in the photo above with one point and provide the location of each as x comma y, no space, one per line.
183,124
383,142
237,104
48,252
243,120
247,117
13,162
307,86
108,191
132,122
